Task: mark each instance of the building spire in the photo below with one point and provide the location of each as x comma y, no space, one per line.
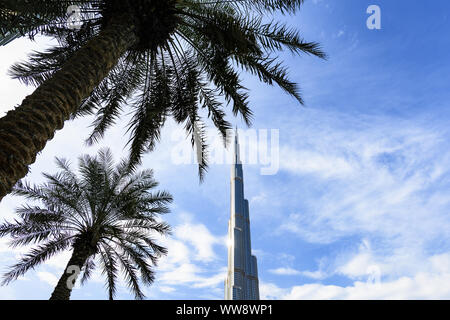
242,281
237,158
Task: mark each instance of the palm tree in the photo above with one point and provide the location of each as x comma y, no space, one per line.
106,215
173,58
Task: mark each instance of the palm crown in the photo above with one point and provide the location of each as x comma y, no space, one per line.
161,59
106,215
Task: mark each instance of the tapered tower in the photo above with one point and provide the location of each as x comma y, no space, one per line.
242,276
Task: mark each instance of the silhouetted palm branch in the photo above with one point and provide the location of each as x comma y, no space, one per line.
177,58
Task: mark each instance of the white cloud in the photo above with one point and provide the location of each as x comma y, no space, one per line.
200,237
288,271
288,260
440,262
181,274
285,271
357,266
190,257
318,274
270,291
191,275
178,253
259,199
217,279
360,264
10,91
428,284
166,289
59,262
378,177
421,286
313,162
4,245
48,277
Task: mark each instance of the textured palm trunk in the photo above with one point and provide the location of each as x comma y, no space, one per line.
25,131
65,284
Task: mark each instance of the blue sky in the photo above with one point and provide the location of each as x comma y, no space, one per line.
363,185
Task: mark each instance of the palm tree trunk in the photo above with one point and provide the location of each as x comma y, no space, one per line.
64,287
25,131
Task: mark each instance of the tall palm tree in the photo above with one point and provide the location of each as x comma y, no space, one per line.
105,214
170,58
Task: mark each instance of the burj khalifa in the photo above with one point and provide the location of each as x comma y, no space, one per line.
242,276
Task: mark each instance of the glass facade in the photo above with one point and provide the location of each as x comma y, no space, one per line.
242,276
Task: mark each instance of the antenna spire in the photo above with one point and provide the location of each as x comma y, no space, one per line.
236,147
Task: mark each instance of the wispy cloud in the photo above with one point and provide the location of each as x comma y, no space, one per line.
365,161
48,277
285,271
424,285
201,238
378,179
191,256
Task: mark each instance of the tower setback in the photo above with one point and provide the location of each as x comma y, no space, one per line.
242,276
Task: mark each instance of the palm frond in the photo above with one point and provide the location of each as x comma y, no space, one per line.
107,210
36,256
186,63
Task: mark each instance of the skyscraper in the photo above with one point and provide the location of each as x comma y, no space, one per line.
242,276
